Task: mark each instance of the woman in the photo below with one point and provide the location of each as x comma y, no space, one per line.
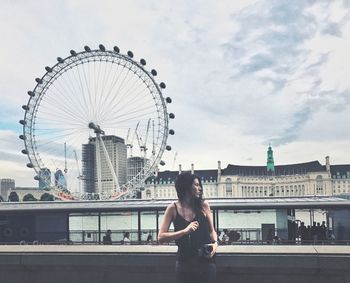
194,231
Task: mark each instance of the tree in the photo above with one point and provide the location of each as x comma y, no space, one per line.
13,196
29,197
47,197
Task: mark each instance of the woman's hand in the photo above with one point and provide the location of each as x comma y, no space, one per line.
193,226
214,246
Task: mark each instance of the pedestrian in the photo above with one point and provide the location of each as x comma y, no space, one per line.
107,238
126,239
194,232
149,238
225,237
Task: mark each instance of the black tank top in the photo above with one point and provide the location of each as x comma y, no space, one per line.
188,245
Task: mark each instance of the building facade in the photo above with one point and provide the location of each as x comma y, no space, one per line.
44,178
238,181
116,150
6,185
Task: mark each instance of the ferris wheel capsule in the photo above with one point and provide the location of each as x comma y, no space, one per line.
60,60
143,62
130,54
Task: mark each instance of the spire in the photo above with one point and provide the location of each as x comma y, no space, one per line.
270,163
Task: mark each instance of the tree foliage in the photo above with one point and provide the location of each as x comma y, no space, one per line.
13,196
47,197
29,197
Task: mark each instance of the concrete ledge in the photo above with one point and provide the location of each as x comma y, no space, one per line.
229,249
106,264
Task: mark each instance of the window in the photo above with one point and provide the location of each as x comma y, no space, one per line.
228,187
319,184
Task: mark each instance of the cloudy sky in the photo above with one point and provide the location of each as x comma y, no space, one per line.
242,74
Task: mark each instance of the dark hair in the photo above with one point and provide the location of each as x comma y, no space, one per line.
183,185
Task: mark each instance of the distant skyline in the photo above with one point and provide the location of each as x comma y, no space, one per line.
241,74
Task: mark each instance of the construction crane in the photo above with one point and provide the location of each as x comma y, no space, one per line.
143,146
80,176
128,143
175,156
153,141
137,136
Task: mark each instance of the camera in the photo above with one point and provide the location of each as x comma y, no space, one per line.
205,250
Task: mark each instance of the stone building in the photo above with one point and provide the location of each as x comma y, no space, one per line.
240,181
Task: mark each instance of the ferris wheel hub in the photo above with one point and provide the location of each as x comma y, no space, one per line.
97,129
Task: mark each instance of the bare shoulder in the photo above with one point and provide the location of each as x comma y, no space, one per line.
206,207
171,209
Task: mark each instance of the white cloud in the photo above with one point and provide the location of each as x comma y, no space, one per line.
241,73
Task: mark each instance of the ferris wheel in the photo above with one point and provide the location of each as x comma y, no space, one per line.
96,125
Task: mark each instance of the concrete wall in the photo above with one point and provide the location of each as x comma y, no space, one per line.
105,264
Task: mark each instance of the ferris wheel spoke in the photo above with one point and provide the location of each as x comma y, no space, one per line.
117,92
57,102
106,80
122,92
99,91
136,101
114,82
131,97
127,111
86,100
143,110
67,118
124,106
55,138
76,95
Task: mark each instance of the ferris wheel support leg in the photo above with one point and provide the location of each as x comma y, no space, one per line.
110,165
98,165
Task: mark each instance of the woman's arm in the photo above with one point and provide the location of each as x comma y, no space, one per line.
164,236
212,232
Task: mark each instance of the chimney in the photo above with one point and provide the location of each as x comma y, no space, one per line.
328,166
192,168
180,169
